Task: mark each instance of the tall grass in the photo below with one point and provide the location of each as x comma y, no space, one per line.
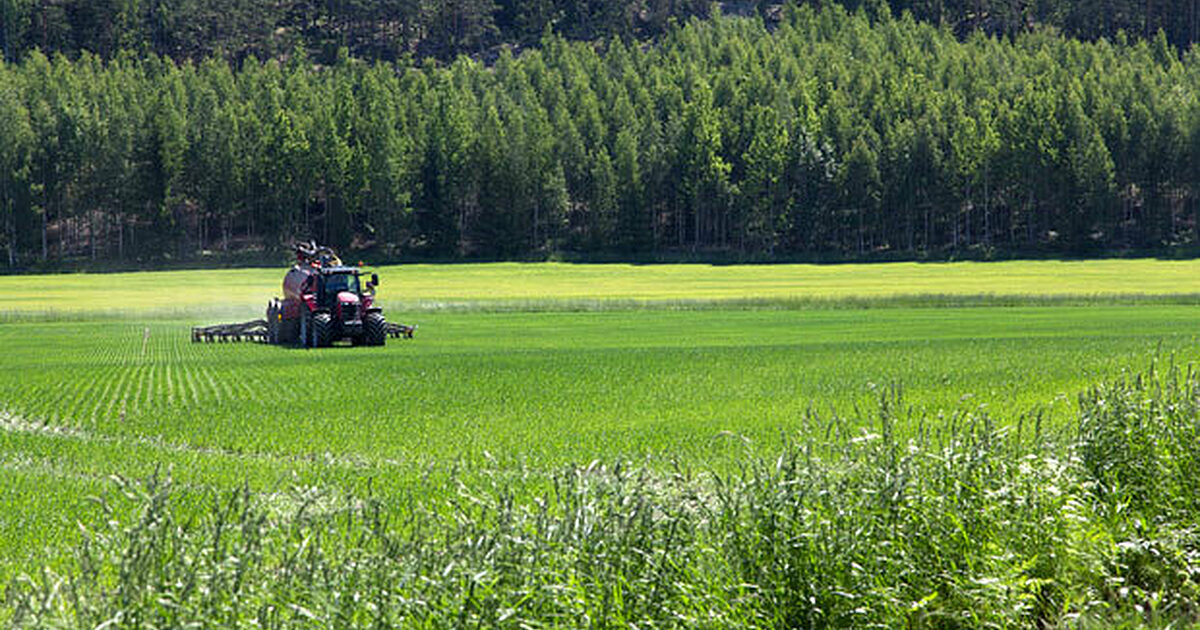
912,521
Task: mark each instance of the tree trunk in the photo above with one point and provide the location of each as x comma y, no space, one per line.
928,246
861,230
909,226
12,237
1030,217
987,216
954,230
9,231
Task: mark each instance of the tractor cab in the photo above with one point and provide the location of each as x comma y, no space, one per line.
340,293
336,281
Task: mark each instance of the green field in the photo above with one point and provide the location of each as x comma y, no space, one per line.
113,386
509,286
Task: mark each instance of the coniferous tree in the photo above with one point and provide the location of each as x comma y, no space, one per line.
16,149
634,230
761,197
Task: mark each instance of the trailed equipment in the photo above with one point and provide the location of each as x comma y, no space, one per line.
323,301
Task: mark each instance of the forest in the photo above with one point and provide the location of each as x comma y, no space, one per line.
389,30
819,133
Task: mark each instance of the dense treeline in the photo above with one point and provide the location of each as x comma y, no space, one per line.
1087,19
832,135
390,29
372,29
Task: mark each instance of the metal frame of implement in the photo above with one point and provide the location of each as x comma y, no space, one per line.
256,331
246,331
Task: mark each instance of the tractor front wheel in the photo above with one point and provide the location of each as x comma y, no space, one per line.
375,329
321,330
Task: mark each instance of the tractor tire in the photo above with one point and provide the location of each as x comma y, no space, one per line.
321,329
375,330
274,323
289,332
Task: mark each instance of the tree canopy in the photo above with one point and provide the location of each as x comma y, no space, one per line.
392,29
827,134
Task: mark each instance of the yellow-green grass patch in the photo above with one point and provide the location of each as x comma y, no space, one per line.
542,286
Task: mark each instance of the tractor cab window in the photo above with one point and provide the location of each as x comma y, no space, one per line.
341,282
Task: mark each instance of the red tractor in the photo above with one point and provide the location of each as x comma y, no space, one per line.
323,301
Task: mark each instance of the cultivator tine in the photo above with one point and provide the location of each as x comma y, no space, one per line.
232,333
400,331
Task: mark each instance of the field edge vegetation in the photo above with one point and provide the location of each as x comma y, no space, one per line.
966,522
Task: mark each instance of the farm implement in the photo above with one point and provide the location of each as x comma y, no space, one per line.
245,331
324,301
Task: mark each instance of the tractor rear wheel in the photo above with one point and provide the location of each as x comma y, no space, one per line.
321,330
274,322
375,329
